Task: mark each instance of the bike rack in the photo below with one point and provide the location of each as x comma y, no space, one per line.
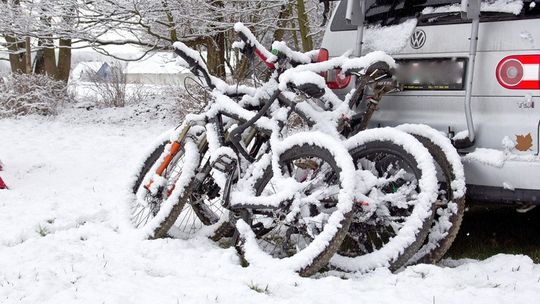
470,11
355,15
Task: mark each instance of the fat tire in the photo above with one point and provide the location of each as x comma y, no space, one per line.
392,148
443,245
307,150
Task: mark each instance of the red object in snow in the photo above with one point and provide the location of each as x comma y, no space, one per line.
2,184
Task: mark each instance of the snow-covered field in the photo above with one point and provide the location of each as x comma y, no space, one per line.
60,242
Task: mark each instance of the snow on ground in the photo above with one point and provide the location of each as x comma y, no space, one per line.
60,242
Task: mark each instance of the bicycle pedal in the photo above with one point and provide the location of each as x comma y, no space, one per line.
224,163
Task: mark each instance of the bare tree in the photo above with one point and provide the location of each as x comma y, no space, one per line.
52,28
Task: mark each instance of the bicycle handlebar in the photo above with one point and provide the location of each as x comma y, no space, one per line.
192,59
375,65
280,50
295,57
259,50
252,43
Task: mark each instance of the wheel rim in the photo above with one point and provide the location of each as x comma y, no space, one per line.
148,202
395,193
189,222
285,232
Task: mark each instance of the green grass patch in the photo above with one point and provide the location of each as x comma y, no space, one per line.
489,231
43,231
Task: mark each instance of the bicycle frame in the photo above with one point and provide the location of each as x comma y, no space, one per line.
281,55
278,88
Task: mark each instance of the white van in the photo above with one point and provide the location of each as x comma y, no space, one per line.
497,129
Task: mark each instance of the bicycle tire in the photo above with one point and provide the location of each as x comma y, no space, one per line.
161,219
395,250
451,202
333,236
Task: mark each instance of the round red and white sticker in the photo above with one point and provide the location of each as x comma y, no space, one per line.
519,72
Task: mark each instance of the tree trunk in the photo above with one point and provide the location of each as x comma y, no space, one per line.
284,13
17,65
49,61
28,56
215,46
242,68
16,47
13,49
303,25
64,60
39,63
216,55
170,20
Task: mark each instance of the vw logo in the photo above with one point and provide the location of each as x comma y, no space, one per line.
418,39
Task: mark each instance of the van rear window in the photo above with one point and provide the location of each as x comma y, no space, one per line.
391,12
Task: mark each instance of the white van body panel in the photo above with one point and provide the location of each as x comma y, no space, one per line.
497,112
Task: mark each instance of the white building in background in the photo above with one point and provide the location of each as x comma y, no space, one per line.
158,69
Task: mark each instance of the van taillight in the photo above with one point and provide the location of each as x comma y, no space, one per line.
334,80
519,72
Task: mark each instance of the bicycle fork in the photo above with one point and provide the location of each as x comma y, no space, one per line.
176,146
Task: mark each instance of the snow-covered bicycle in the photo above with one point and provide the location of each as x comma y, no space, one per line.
274,229
303,183
450,203
372,236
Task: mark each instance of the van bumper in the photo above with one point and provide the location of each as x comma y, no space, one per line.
515,181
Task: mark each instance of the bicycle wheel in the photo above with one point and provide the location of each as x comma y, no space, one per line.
451,198
399,175
157,200
314,187
203,208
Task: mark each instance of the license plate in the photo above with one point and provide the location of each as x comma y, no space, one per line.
432,74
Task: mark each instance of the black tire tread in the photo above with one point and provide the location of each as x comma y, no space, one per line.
161,230
306,150
388,146
444,245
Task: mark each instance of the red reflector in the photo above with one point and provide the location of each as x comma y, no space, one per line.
511,72
323,56
519,72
